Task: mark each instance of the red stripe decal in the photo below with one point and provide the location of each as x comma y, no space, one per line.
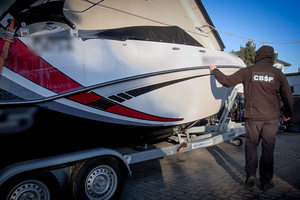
85,97
88,98
24,62
121,110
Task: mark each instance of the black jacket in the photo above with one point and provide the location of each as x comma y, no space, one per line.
265,87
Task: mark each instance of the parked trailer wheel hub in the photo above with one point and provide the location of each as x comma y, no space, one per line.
101,183
30,190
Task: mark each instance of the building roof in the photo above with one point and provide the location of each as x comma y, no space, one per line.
293,74
276,60
209,21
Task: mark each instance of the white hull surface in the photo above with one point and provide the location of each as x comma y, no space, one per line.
128,82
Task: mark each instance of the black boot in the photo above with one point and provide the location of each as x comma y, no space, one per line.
266,187
250,181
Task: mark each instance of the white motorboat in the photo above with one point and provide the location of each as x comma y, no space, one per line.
149,77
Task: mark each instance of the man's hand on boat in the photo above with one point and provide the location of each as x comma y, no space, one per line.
212,67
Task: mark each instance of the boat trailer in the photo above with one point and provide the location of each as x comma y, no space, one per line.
196,137
99,173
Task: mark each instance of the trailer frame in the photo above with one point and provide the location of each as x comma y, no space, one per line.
185,140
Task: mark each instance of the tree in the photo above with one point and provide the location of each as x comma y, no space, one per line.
247,53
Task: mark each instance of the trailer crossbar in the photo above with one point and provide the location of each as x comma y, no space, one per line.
196,143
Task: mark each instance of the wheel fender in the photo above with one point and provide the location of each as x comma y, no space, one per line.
21,167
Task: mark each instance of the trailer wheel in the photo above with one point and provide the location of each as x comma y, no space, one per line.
36,185
97,179
237,142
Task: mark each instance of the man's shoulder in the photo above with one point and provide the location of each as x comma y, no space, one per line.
246,69
264,68
276,71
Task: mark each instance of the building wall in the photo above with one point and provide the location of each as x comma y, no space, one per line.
294,82
121,13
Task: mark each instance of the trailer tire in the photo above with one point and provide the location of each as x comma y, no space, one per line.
237,142
99,178
38,184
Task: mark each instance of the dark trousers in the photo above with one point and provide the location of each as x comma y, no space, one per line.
265,131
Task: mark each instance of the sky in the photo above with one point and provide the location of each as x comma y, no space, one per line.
264,20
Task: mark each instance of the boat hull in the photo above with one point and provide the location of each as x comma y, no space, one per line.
68,94
136,83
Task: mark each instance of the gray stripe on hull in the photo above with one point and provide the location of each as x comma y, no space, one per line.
18,90
80,113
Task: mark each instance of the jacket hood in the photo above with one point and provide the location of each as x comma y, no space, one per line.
265,53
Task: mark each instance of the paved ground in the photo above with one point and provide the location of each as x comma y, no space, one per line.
215,173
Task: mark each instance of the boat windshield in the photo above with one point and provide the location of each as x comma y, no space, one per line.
166,34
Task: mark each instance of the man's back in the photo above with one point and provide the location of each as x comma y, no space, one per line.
264,87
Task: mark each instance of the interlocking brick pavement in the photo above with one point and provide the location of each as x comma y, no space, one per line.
215,172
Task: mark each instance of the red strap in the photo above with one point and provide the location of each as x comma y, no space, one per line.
8,40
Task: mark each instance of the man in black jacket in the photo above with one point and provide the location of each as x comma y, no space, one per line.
265,87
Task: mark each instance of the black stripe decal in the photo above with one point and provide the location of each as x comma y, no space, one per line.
98,105
64,95
146,89
106,102
125,96
118,99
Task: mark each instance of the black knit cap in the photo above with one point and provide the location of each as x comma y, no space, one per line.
265,53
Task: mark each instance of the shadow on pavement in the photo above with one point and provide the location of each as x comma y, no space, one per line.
227,163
